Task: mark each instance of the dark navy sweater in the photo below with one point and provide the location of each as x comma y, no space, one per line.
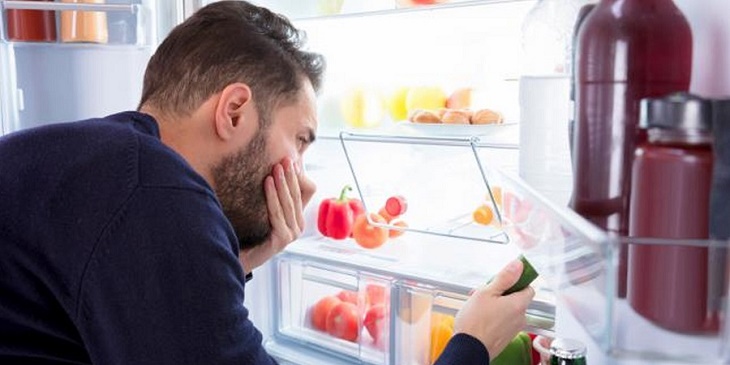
113,250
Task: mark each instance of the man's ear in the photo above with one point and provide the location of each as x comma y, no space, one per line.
229,112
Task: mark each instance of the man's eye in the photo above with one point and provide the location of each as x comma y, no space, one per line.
302,141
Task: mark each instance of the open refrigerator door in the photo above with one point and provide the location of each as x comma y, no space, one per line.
71,60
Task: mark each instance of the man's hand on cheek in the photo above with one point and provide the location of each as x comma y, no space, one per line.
284,202
287,190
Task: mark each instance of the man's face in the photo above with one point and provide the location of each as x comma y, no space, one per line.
239,178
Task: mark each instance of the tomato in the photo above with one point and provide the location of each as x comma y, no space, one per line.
348,296
321,310
376,294
376,322
342,321
396,205
369,236
393,233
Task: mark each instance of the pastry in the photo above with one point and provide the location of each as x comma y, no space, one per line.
486,116
456,116
424,116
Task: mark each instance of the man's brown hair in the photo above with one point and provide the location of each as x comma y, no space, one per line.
227,42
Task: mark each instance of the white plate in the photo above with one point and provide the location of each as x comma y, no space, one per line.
454,130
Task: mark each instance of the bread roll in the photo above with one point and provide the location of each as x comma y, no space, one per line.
456,116
486,116
425,116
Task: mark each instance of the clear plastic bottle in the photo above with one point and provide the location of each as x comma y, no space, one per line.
545,98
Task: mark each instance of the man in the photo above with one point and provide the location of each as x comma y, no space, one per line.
121,236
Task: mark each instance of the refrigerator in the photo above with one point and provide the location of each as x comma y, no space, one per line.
376,50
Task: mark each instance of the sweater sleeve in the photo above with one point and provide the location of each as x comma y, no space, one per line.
164,286
464,349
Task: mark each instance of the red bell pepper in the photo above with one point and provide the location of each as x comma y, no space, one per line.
336,216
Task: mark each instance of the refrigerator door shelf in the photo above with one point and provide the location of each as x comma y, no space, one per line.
109,23
357,326
396,318
323,9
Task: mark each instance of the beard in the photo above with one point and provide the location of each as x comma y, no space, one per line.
239,181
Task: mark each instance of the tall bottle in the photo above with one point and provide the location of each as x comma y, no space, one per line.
545,98
626,50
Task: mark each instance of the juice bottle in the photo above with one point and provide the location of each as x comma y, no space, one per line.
672,174
31,25
84,26
626,50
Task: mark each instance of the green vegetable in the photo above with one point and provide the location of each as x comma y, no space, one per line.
517,352
526,278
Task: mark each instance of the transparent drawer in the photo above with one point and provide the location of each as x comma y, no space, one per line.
395,317
336,309
424,319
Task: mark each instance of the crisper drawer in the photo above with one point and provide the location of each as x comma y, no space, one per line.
338,310
375,316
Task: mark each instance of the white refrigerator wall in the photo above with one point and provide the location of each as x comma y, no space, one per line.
711,45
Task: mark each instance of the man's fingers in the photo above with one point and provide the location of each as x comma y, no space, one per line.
276,213
524,296
284,195
507,277
296,194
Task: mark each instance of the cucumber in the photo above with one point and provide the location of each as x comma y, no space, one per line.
526,278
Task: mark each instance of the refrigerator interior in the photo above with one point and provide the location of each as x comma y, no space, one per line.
374,48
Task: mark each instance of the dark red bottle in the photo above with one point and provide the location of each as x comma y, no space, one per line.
671,179
31,25
627,50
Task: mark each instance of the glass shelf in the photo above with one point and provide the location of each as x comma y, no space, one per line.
443,179
334,9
